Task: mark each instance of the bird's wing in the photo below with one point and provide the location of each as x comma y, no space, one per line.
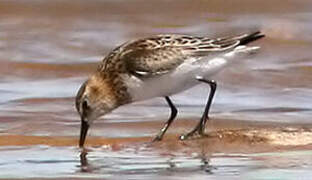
163,53
156,61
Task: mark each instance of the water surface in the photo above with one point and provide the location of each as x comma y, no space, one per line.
47,49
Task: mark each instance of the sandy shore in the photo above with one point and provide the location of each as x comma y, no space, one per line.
226,136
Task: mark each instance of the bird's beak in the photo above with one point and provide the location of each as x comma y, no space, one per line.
83,132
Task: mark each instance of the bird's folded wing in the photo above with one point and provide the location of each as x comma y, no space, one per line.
149,62
162,54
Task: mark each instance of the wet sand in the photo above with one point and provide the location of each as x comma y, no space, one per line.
232,149
260,124
257,136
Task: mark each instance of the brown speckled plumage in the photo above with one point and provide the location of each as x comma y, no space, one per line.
157,55
163,52
144,68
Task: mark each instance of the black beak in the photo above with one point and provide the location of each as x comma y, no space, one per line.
83,132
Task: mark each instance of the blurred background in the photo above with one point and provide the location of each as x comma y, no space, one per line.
48,48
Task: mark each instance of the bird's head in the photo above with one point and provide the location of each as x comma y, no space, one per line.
95,98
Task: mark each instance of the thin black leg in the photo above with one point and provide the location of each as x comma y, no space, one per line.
163,130
205,116
200,127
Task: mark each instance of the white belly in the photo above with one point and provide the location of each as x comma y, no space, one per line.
182,78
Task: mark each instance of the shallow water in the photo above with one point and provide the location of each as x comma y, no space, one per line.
142,163
47,49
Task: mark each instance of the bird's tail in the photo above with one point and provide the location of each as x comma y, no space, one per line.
247,38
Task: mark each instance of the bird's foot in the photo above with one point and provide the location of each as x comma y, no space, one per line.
157,138
196,133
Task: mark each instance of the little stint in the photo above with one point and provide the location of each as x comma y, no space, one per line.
158,66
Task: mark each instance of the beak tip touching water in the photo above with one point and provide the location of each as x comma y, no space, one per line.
83,132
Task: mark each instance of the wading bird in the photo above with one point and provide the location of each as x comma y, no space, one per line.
158,66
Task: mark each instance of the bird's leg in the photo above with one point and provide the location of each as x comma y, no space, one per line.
163,130
200,127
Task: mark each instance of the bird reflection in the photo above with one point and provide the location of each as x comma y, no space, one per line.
84,165
205,166
174,164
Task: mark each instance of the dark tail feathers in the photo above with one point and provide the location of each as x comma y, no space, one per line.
251,37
